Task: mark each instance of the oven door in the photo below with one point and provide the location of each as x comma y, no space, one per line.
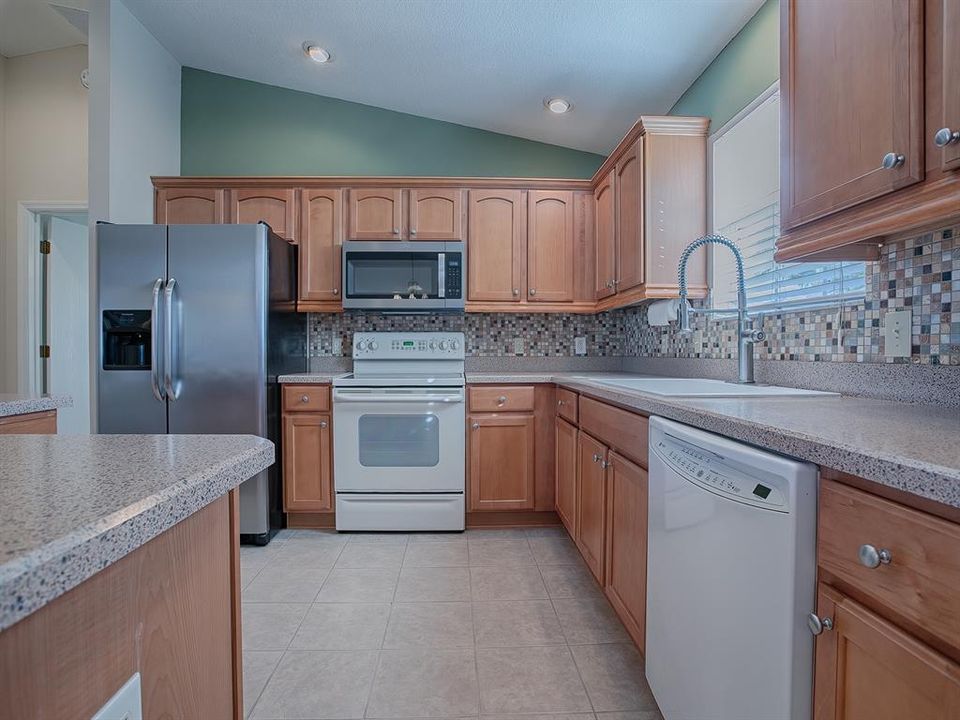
401,276
396,440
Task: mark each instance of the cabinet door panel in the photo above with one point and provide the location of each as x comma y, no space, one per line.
626,561
591,498
566,470
501,462
189,206
868,669
320,245
436,214
951,81
629,224
852,87
274,206
606,252
550,246
496,249
307,472
376,214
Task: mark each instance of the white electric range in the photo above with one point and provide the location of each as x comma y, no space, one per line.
398,433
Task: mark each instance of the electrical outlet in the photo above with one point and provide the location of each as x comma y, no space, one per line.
125,704
519,346
336,346
897,333
580,345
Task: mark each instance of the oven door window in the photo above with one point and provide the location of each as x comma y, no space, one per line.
399,440
375,275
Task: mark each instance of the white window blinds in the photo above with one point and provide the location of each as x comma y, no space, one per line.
746,209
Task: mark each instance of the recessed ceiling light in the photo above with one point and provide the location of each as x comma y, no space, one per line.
316,53
558,105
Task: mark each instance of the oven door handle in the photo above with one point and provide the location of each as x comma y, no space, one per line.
355,397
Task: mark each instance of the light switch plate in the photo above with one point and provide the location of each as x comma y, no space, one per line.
518,346
126,704
897,333
580,345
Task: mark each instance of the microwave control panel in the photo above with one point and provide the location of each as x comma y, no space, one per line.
453,275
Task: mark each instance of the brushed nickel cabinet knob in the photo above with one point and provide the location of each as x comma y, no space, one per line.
892,160
871,557
946,136
516,291
817,624
476,426
304,398
323,424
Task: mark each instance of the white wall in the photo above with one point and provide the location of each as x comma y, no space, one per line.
44,159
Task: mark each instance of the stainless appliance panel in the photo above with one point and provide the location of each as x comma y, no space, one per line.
130,261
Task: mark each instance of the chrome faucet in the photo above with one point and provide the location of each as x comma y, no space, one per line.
746,333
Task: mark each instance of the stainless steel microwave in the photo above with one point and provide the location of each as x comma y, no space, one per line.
407,277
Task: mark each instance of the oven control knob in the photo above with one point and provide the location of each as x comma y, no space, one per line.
433,344
443,345
362,345
455,345
373,345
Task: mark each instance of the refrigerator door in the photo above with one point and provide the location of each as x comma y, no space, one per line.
132,263
216,298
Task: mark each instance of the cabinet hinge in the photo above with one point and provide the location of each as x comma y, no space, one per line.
44,247
44,351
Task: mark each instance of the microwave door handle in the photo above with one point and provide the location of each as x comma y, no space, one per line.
441,275
155,342
170,352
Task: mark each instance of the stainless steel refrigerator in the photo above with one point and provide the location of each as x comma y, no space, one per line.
197,322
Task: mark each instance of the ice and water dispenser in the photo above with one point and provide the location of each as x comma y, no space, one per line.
126,339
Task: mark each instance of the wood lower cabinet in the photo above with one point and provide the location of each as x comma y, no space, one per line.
550,246
949,118
626,544
501,461
496,248
375,214
605,225
628,176
321,241
869,669
35,423
436,214
591,503
307,463
566,473
189,206
274,206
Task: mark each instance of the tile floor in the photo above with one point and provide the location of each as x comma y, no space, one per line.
487,624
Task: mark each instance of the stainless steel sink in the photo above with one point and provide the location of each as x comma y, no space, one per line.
701,387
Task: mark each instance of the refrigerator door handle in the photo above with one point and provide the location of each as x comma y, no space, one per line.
170,351
155,341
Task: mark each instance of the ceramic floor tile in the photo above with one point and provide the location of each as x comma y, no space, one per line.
516,623
613,675
307,554
375,538
530,680
589,620
555,551
433,584
351,585
317,686
257,667
570,581
501,553
441,537
249,568
548,531
535,716
507,583
436,554
342,626
437,624
484,534
632,715
371,555
285,583
270,626
427,683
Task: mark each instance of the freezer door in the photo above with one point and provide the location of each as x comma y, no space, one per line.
131,264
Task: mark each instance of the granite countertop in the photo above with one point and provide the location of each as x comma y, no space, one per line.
913,448
23,404
310,378
71,505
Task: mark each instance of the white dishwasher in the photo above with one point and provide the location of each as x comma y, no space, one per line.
731,573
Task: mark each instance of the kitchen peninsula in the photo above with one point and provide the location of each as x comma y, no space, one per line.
119,555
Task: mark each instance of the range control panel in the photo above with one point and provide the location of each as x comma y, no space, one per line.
408,346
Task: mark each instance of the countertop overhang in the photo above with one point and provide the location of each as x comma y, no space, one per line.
71,505
12,404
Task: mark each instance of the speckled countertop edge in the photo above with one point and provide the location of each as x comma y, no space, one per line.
33,580
310,378
940,483
23,404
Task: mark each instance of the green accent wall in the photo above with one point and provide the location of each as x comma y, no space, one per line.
238,127
748,65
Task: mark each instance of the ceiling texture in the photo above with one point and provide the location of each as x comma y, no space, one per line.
29,26
482,63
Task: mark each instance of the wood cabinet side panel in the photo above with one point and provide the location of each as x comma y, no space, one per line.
37,423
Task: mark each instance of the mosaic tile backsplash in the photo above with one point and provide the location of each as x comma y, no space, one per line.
917,274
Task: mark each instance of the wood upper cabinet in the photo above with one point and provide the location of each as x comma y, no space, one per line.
496,248
375,213
307,462
626,550
501,449
189,206
868,669
436,214
321,236
566,472
274,206
550,246
950,83
591,501
628,175
605,237
852,94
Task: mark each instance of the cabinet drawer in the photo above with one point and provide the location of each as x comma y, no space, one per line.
501,398
306,398
921,581
567,404
624,431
